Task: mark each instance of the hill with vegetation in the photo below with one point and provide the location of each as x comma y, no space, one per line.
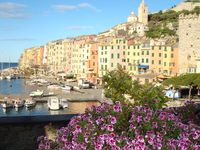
164,24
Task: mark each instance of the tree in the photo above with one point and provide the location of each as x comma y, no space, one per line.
190,80
116,84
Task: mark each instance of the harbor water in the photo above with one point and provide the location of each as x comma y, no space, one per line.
5,65
19,88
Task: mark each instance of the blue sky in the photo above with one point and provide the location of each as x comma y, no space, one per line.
28,23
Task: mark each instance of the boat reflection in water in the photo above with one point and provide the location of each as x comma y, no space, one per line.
41,109
18,109
6,110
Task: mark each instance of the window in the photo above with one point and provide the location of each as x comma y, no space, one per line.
105,47
159,62
106,52
112,47
124,47
105,60
165,55
147,52
172,55
152,47
165,64
159,47
152,62
128,60
118,47
134,54
118,55
147,60
101,67
111,64
142,52
128,47
128,53
102,48
142,60
105,67
160,54
152,54
165,48
112,55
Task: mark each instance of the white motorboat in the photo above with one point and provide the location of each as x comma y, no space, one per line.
53,86
54,103
36,93
30,102
67,88
64,103
6,103
10,77
2,77
18,103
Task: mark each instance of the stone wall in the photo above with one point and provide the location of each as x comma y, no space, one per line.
189,43
23,136
185,5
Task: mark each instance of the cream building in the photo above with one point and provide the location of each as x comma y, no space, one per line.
56,56
189,43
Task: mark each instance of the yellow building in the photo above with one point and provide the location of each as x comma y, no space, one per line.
56,56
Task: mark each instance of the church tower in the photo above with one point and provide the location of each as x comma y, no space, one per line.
143,13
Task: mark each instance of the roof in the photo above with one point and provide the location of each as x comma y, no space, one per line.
147,75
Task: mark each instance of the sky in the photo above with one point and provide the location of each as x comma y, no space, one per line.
28,23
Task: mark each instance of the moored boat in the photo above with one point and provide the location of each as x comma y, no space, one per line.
36,93
64,103
30,102
6,103
54,103
18,103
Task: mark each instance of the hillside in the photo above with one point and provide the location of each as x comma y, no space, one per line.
164,24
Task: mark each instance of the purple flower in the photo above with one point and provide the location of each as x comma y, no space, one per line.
155,125
110,128
113,120
139,119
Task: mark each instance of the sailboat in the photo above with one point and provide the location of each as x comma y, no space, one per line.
2,77
10,76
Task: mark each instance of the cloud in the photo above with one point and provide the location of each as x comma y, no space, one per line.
12,10
79,27
62,8
17,40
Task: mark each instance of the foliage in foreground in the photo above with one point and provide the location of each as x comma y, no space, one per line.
123,127
118,84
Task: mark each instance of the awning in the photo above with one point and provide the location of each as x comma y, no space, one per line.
143,67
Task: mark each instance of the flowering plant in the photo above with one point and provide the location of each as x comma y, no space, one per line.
124,127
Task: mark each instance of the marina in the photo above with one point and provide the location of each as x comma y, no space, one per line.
25,102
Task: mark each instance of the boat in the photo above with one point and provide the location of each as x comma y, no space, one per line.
64,103
18,103
2,77
6,104
30,102
53,86
67,87
54,103
36,93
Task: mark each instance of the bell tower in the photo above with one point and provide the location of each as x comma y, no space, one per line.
143,13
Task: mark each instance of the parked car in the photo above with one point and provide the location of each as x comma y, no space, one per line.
85,85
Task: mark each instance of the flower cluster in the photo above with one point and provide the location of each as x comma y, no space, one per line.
123,127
